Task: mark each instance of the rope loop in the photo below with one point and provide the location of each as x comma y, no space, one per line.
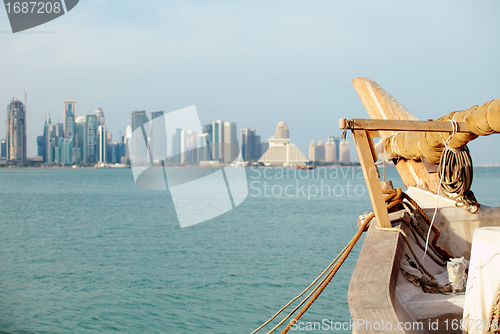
349,125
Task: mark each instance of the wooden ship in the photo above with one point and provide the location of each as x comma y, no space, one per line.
395,287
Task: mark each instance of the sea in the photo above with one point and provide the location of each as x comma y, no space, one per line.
87,251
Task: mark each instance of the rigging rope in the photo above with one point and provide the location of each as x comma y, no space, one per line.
443,158
300,295
392,199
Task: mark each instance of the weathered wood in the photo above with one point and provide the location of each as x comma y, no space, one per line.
364,145
371,294
404,125
381,105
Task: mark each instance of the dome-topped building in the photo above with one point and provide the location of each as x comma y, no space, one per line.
99,114
281,152
282,131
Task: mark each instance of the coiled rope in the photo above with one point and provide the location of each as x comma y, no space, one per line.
456,172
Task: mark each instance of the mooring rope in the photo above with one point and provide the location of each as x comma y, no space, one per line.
392,198
300,295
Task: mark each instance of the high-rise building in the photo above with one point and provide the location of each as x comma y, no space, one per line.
208,129
218,140
117,152
330,150
91,121
16,132
66,146
230,142
109,145
101,144
176,145
3,148
344,151
158,136
188,146
336,140
80,153
99,116
39,144
69,117
282,130
248,144
55,132
259,147
138,118
156,114
320,151
203,144
46,138
128,139
312,151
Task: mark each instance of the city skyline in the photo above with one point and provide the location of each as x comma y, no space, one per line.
85,139
296,63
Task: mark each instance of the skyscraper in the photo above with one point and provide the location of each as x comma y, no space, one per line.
330,150
218,140
46,138
16,132
158,135
320,151
282,130
53,141
312,151
66,146
248,144
208,129
128,140
39,144
336,140
259,147
91,122
203,140
230,142
138,119
69,117
101,144
99,115
344,152
2,148
80,151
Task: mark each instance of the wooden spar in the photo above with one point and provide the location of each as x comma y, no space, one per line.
364,145
381,105
394,118
402,125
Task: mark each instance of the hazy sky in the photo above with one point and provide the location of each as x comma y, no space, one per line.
255,62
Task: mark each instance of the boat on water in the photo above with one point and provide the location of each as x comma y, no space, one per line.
430,260
305,167
404,280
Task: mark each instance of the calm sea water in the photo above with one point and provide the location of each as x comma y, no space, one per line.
87,251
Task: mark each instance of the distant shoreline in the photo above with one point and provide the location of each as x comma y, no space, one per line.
128,167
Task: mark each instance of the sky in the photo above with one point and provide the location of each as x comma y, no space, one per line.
255,62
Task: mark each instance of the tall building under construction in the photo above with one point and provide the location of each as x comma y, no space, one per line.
16,132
